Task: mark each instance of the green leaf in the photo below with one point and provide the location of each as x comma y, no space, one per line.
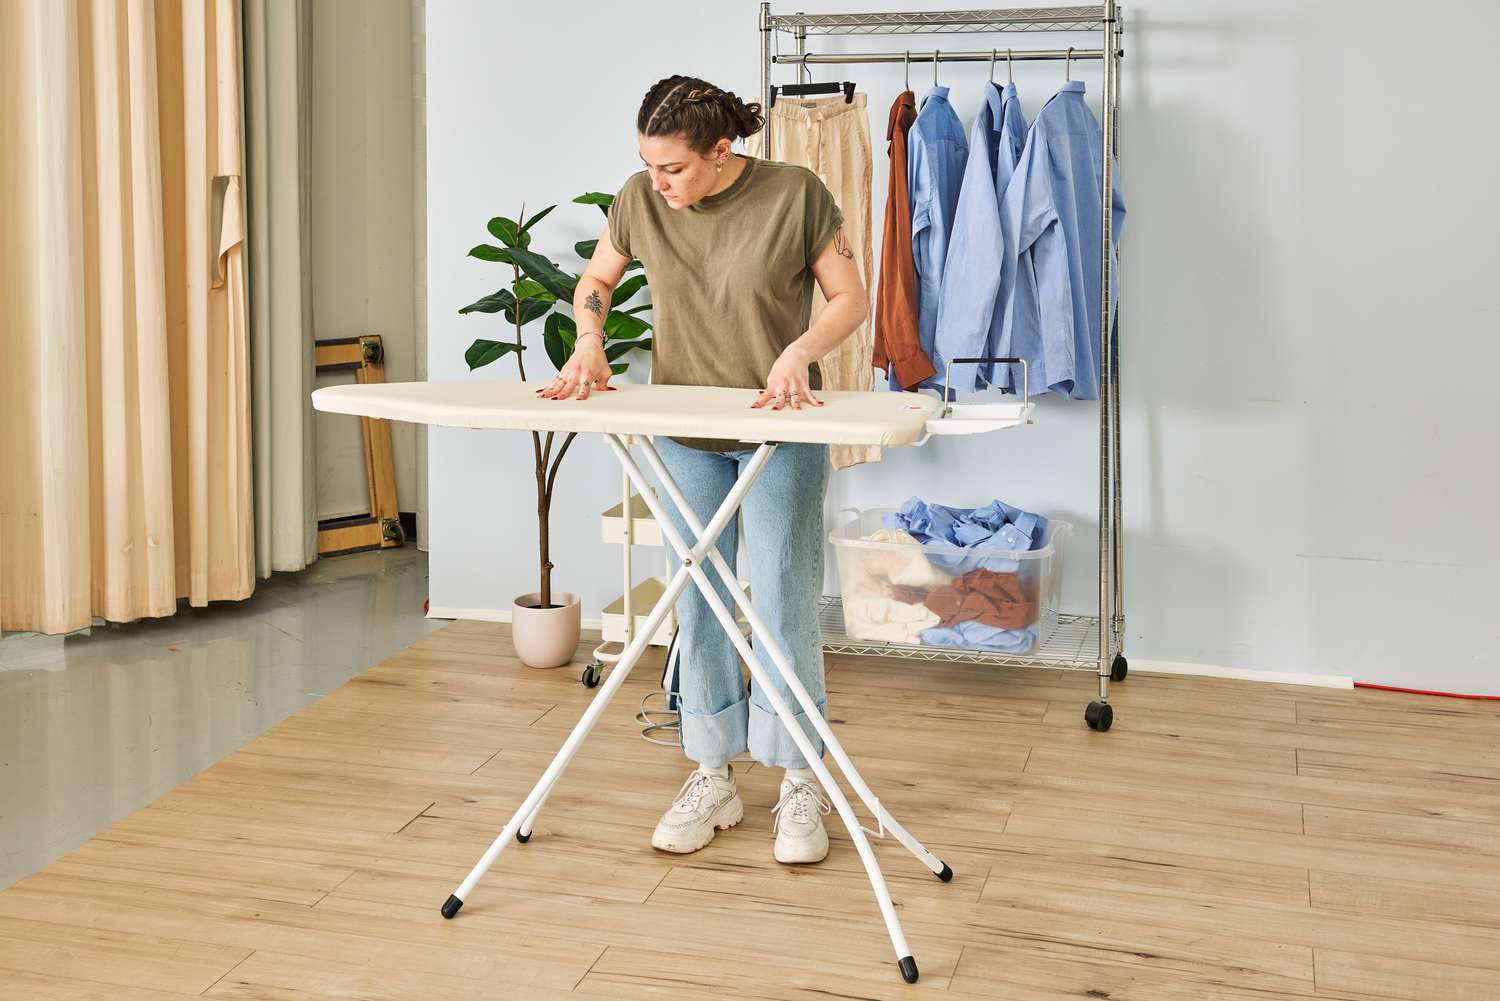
626,289
489,252
585,249
624,327
598,198
619,369
552,341
632,311
537,218
559,283
526,288
481,353
492,303
559,335
615,350
633,265
534,308
504,230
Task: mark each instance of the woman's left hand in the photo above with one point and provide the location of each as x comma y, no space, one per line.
787,382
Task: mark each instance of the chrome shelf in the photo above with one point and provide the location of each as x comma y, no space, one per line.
943,21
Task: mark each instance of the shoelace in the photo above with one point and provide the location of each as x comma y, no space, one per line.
692,792
799,800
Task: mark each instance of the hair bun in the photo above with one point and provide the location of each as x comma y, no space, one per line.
696,110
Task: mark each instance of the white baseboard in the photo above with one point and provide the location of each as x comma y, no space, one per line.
491,615
1136,665
1239,674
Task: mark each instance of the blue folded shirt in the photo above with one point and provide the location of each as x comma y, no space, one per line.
978,636
990,531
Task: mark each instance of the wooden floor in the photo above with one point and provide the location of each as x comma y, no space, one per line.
1225,842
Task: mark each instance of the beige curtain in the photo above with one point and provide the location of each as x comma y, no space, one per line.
124,407
278,108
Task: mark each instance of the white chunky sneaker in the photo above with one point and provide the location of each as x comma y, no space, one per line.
800,836
704,804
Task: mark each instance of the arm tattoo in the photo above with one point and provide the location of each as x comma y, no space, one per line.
841,244
593,303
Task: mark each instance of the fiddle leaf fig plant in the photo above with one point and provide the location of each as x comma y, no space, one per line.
539,289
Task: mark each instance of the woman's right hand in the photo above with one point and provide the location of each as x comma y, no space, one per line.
586,370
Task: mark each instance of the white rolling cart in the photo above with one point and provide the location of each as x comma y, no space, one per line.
630,524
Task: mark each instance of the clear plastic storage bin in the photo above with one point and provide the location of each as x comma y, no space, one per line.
981,598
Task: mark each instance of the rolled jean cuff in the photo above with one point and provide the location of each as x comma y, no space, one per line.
772,746
713,740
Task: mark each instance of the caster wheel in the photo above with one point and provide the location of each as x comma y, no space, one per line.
451,906
592,674
1119,668
523,838
1099,715
908,969
946,875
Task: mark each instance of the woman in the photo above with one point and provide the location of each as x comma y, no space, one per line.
732,245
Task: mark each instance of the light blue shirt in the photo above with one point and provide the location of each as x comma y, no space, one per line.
1051,212
960,539
978,278
975,635
935,153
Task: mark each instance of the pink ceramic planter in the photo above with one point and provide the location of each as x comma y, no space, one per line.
545,637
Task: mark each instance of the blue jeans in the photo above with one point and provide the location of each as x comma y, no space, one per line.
783,516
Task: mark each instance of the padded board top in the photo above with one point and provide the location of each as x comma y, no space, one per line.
846,418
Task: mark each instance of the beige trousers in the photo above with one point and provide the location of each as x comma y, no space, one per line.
832,139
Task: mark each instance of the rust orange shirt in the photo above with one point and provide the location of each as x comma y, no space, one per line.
898,345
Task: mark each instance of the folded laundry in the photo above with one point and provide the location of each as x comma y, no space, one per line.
999,600
871,617
900,564
981,637
883,595
988,531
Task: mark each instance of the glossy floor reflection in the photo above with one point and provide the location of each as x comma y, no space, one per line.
92,728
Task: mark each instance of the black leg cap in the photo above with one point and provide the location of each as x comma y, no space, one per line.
909,970
946,875
523,838
451,906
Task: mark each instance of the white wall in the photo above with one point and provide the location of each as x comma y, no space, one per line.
1310,338
364,242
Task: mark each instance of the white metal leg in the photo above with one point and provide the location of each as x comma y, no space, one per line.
770,644
883,818
692,558
528,810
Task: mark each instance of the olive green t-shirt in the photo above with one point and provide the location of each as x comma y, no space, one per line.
731,275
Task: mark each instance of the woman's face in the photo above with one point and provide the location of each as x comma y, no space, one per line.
678,174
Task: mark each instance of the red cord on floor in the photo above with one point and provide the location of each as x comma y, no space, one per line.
1420,691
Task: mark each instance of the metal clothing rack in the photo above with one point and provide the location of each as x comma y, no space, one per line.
1075,641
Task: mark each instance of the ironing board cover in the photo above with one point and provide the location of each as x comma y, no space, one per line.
846,418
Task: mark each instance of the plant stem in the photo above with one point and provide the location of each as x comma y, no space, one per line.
543,499
557,463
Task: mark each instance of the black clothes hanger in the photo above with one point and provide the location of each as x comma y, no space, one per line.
800,89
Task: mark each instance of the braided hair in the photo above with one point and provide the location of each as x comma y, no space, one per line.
699,112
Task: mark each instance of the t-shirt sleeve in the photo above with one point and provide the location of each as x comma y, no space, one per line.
823,219
619,221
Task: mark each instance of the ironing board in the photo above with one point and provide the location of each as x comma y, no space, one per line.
846,418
